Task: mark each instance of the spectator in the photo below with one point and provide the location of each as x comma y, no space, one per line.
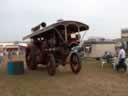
1,56
9,55
121,59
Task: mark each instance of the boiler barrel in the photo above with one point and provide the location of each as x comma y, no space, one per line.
15,67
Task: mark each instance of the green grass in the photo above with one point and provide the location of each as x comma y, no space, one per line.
91,81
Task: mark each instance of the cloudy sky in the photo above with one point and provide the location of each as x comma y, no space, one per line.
106,18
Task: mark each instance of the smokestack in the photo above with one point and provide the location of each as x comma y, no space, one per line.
35,28
43,24
39,27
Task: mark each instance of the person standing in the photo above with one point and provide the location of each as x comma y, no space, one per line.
1,56
121,59
9,55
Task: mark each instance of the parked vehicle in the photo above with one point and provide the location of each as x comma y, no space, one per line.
54,45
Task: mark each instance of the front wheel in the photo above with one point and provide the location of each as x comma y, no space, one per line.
30,59
75,63
51,65
30,64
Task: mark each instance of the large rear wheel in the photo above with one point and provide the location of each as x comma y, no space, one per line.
51,65
75,63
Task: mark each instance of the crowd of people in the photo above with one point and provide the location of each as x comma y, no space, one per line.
7,54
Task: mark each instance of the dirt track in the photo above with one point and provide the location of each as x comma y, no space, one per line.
91,81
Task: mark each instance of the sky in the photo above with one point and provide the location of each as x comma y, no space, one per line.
105,18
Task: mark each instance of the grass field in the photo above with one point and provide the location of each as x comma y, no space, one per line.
91,81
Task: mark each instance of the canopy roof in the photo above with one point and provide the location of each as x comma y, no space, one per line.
71,25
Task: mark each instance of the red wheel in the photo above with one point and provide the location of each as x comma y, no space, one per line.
75,63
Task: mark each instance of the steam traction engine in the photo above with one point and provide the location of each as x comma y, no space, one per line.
54,45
